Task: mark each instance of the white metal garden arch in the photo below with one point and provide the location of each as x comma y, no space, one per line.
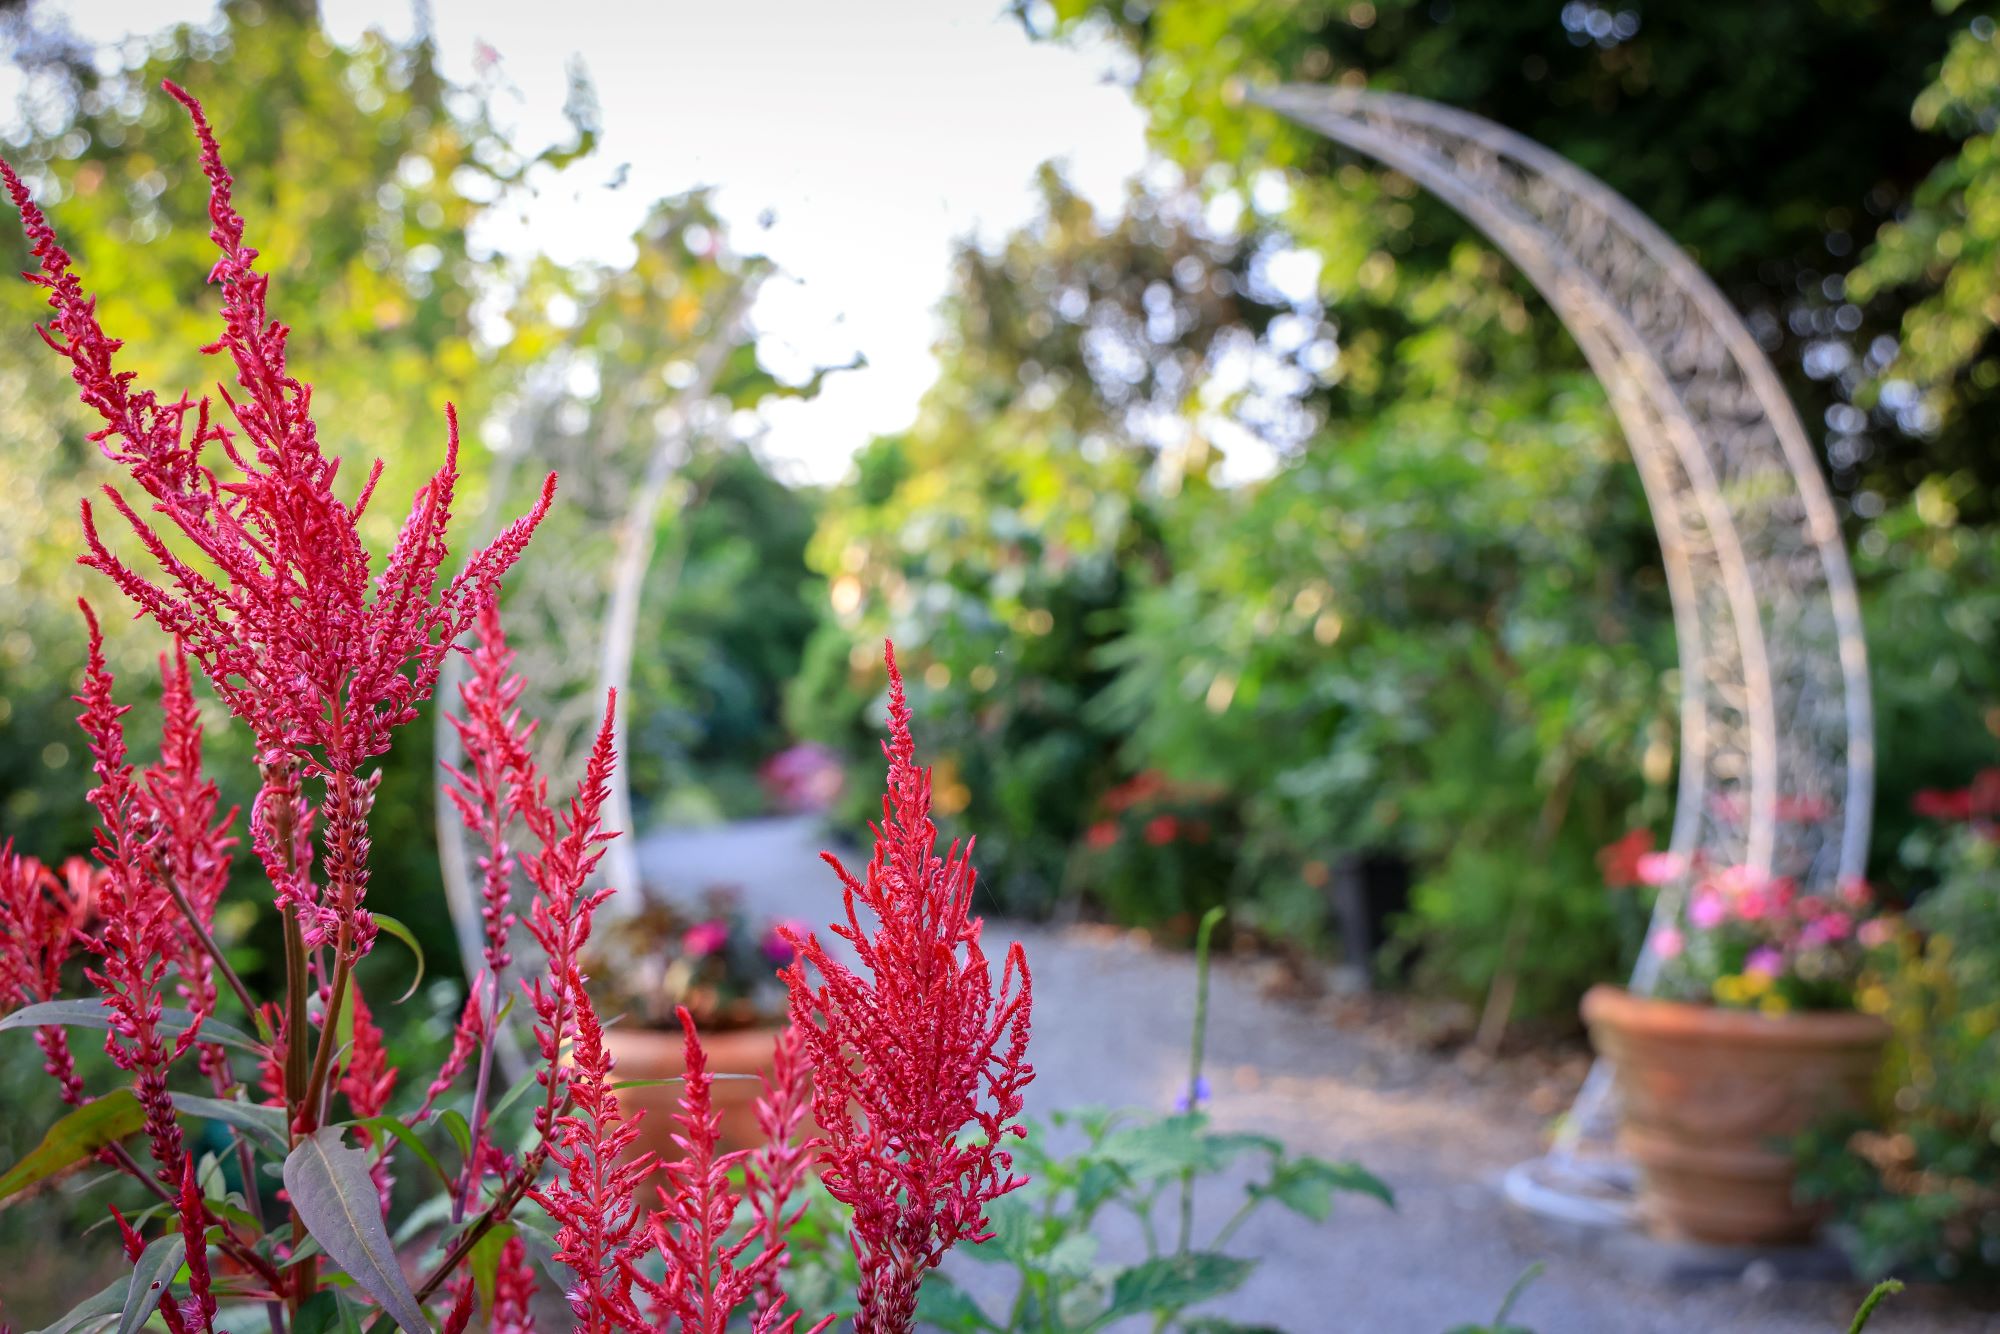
1777,745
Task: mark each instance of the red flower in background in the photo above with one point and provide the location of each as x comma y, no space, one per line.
1102,835
1620,862
1162,830
913,1049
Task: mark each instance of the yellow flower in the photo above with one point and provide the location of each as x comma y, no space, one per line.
1729,989
1774,1004
1756,984
1873,999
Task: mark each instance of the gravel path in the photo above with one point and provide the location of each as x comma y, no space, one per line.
1112,1024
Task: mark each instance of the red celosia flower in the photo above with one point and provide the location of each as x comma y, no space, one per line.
914,1049
39,916
593,1198
704,1282
1619,861
367,1082
197,1310
139,931
1102,835
513,1291
1162,830
488,790
466,1039
321,656
193,847
776,1169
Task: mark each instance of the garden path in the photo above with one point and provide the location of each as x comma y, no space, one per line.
1112,1025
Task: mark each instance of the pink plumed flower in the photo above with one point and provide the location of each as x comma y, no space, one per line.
705,938
913,1053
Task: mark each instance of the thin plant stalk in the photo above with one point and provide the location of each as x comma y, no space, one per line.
1196,1046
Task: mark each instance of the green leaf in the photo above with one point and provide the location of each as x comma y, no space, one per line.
460,1132
1307,1186
265,1125
942,1303
334,1195
158,1264
327,1311
389,1125
408,937
93,1014
75,1138
1217,1325
93,1312
485,1262
1165,1285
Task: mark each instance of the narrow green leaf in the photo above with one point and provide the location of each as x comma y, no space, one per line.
92,1014
93,1312
460,1132
265,1125
75,1138
1307,1186
408,937
1172,1282
334,1195
158,1264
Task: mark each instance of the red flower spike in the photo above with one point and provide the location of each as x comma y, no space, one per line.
593,1197
39,918
460,1316
777,1168
367,1082
513,1291
299,638
704,1283
465,1040
197,1311
139,929
193,848
913,1049
489,790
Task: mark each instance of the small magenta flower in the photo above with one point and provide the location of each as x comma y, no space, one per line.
1655,869
1765,961
705,938
1708,910
1668,942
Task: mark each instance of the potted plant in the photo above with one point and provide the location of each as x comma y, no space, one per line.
1752,1036
719,966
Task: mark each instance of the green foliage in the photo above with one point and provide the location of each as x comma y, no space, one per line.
1915,1196
1045,1234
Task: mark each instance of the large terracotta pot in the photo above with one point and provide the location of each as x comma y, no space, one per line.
1710,1097
652,1053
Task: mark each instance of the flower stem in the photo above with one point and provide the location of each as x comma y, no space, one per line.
1209,921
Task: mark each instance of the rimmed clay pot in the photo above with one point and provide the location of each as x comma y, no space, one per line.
1709,1099
657,1053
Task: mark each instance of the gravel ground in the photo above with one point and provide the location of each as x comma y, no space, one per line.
1112,1024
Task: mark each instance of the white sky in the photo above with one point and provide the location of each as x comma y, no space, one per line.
874,134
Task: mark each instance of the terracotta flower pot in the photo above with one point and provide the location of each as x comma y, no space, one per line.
653,1053
1709,1098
